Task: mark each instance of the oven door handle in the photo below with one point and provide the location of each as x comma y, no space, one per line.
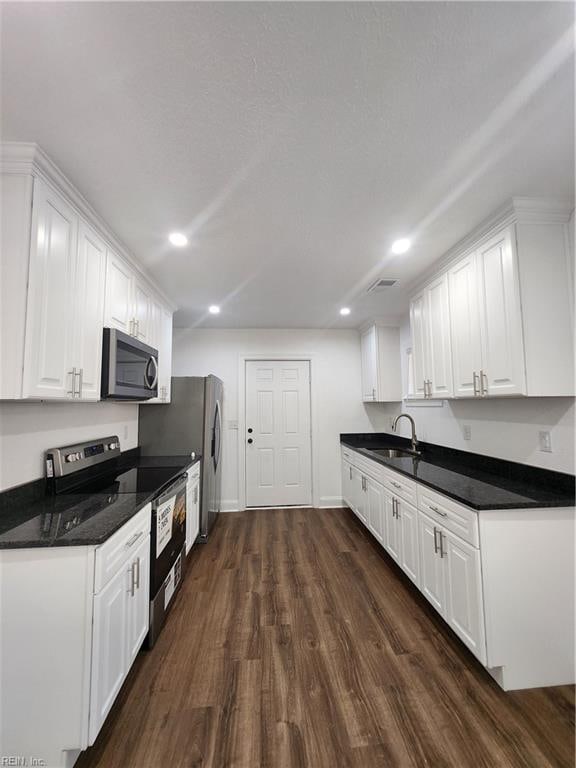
175,487
151,384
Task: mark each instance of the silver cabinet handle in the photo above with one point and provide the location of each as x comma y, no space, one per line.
80,381
425,388
442,551
132,580
373,394
72,391
483,383
438,511
131,327
196,490
137,573
397,509
436,532
133,540
350,472
395,484
429,382
475,384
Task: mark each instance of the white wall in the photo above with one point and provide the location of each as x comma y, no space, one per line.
506,428
336,379
28,429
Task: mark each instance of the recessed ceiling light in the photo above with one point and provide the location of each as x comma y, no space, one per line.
401,246
345,311
178,239
214,310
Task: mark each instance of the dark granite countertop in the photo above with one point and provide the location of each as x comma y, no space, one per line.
31,518
480,482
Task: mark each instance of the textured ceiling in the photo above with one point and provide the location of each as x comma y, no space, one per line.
293,141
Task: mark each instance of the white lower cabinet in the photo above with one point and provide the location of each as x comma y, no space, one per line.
432,581
120,625
409,552
375,503
464,604
91,604
192,506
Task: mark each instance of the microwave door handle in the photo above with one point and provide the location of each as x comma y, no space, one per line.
151,384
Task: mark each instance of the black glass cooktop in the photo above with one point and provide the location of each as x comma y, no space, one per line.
135,480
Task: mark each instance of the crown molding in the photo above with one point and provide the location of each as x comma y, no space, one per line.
30,159
544,210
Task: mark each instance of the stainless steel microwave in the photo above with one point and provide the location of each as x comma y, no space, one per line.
129,367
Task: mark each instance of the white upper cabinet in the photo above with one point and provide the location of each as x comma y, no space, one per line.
129,303
118,312
380,352
89,295
430,323
465,327
503,371
61,285
418,325
51,306
503,315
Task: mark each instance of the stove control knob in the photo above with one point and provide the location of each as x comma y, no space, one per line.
112,446
71,457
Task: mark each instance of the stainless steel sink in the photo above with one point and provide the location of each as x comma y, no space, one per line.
395,453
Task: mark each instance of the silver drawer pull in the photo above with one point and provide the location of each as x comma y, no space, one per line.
137,573
438,511
395,484
436,540
133,540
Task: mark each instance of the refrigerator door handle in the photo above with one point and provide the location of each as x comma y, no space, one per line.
217,435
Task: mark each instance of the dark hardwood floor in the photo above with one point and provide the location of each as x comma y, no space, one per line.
296,642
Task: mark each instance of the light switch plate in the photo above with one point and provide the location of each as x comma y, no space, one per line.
545,441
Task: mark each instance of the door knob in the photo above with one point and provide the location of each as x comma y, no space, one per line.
250,430
250,440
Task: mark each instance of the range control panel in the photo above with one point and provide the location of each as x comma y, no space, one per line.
72,458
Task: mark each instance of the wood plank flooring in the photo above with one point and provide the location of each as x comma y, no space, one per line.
296,642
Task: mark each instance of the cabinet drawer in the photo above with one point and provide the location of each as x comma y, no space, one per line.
399,485
371,468
349,454
119,548
453,516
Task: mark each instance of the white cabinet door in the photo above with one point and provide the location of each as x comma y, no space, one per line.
438,356
432,565
165,356
465,327
409,550
393,528
359,495
192,510
142,311
89,311
418,327
109,647
369,350
375,508
464,604
50,303
138,600
347,483
503,365
118,301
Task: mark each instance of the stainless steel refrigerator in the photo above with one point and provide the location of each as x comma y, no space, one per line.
192,421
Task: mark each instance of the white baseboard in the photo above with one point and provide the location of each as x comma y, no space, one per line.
327,502
231,505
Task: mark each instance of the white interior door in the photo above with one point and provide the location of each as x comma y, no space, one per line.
278,446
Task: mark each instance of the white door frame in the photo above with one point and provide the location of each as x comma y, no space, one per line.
314,441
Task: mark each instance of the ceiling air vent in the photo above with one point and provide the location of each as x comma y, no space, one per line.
381,283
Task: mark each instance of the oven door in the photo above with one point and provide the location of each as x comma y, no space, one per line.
168,531
129,367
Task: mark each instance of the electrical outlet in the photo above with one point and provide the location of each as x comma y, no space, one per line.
545,441
467,431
